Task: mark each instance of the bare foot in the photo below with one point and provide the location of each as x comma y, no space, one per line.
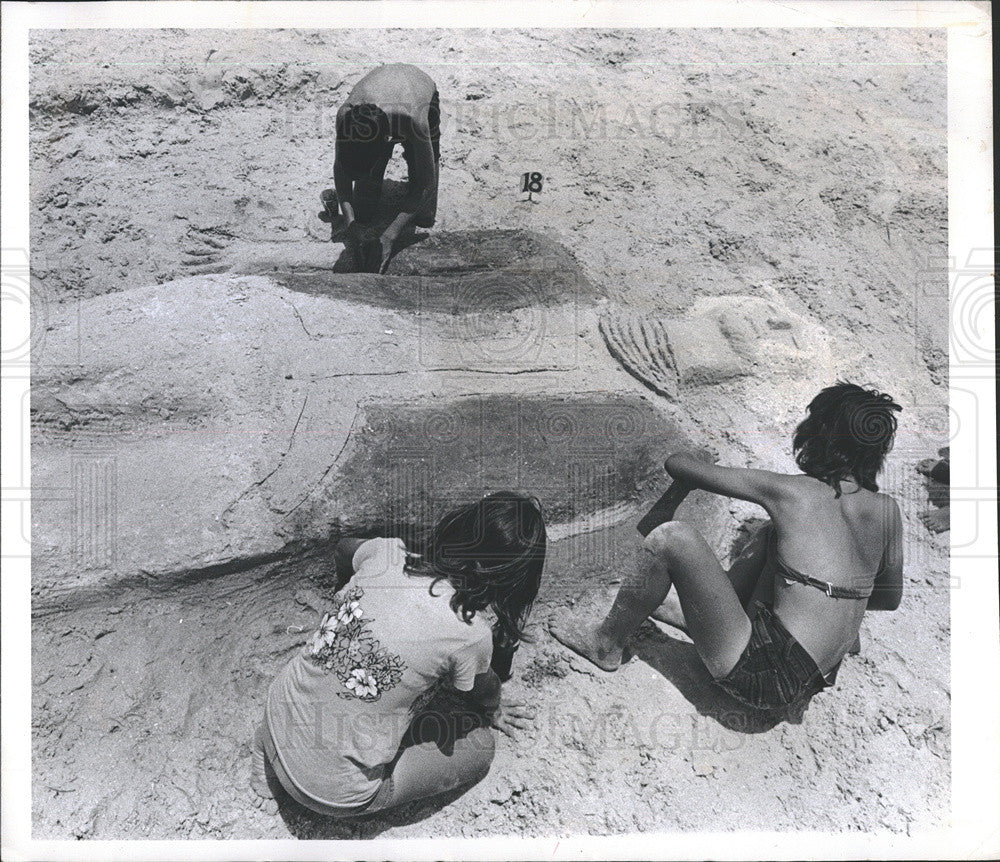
670,612
263,798
576,628
938,521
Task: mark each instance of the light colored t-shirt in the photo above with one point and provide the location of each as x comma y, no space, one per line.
338,711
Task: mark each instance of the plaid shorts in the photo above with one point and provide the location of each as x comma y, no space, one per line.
774,669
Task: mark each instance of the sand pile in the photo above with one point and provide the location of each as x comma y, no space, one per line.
215,399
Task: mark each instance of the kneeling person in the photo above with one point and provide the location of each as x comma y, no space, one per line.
345,725
393,104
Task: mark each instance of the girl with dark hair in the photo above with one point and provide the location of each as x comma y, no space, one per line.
344,729
772,630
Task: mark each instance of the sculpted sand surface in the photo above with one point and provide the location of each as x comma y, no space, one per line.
215,399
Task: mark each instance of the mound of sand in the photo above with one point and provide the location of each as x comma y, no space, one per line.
214,397
232,419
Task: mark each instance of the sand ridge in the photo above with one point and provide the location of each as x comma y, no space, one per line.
166,196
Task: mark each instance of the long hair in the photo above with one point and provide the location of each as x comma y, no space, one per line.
847,434
492,553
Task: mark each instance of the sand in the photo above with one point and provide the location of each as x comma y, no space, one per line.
774,214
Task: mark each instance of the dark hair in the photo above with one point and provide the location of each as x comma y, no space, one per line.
491,552
362,133
847,434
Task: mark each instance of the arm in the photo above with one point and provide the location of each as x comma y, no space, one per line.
888,592
664,509
423,165
345,189
349,228
757,486
419,186
400,224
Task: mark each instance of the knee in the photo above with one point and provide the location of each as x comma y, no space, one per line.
671,538
483,745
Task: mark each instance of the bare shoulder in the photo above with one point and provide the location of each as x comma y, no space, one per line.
800,487
888,508
875,515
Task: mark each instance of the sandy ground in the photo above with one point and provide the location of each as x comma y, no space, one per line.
797,177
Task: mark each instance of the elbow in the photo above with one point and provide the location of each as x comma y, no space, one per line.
885,601
675,463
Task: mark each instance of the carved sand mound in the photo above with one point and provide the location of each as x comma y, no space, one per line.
453,273
641,345
579,455
209,424
719,339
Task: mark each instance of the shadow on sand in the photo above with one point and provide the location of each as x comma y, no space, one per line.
307,825
678,662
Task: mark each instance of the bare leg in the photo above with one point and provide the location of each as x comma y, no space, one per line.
673,553
426,769
744,575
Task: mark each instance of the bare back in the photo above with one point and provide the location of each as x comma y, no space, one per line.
404,92
840,540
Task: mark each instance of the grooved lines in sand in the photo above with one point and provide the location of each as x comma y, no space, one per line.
641,345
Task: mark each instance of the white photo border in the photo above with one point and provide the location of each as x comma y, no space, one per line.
975,822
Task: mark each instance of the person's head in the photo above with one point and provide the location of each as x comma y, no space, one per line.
847,434
491,552
363,133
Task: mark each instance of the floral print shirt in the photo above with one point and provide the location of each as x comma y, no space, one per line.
338,711
344,645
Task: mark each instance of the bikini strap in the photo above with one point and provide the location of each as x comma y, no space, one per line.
831,590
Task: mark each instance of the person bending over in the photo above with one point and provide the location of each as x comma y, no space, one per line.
344,730
393,104
773,630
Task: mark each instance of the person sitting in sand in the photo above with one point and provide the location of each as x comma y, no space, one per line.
774,629
343,730
394,104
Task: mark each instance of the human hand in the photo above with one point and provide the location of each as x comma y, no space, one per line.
705,454
386,241
512,717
